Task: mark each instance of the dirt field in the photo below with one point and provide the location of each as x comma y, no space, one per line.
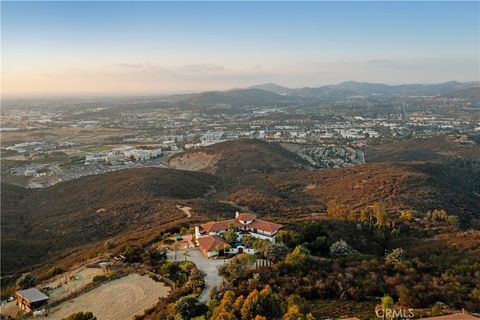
72,282
120,299
80,135
195,161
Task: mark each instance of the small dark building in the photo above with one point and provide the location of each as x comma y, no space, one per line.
31,299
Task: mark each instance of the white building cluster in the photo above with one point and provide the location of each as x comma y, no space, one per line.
124,154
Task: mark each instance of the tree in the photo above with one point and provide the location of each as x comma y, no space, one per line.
133,254
186,254
81,316
238,267
248,240
276,252
250,305
352,216
289,237
381,215
26,281
366,217
396,258
386,306
294,313
226,308
320,245
54,271
341,249
230,235
337,210
298,258
407,297
441,216
237,307
296,300
262,246
186,306
270,304
406,215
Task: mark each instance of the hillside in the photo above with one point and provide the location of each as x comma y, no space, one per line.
352,88
453,186
37,223
469,93
423,149
236,98
237,158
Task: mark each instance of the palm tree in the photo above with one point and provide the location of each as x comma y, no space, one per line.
186,254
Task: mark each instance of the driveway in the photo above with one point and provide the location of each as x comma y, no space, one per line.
208,266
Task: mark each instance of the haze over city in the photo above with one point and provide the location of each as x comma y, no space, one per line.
61,48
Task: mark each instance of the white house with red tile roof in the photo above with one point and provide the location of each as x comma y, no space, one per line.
244,223
212,245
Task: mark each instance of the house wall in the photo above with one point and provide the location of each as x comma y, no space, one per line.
263,237
245,250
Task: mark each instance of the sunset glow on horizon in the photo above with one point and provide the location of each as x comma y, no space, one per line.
57,48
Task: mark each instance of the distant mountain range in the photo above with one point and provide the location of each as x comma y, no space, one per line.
274,94
352,88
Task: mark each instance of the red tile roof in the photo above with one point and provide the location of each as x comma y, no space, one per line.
265,225
246,217
210,243
220,225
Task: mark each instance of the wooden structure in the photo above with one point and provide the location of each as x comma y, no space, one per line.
31,299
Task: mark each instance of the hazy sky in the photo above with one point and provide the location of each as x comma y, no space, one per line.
158,47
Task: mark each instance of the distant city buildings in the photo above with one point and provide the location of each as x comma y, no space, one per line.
120,155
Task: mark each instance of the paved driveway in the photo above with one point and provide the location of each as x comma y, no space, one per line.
208,266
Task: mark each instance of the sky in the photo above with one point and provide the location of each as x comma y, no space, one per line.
62,48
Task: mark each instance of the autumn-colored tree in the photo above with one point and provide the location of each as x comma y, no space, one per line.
337,210
250,305
237,307
270,303
294,313
226,309
296,300
352,216
298,258
366,217
381,215
386,306
406,215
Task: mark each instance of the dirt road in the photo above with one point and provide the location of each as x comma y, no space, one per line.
186,210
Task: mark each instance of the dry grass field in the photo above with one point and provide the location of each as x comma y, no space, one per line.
120,299
79,135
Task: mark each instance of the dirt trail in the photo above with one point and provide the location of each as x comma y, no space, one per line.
186,210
